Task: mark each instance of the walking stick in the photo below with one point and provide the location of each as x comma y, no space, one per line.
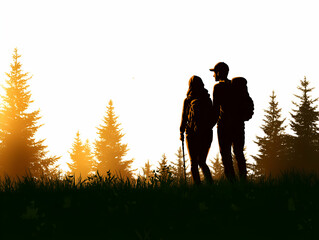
184,160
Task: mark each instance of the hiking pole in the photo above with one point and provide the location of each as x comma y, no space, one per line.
184,159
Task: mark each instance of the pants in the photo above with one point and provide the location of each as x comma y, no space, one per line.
198,147
228,136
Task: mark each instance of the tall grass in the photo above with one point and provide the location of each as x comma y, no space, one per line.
112,207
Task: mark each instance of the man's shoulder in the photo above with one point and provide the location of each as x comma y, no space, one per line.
217,86
221,85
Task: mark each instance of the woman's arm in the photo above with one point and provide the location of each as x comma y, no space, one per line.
184,118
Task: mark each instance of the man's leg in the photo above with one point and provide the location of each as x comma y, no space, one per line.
206,172
195,172
224,140
207,140
238,145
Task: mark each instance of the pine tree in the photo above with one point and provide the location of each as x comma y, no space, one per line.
81,157
304,146
178,170
164,170
20,152
217,166
147,171
89,156
109,151
271,157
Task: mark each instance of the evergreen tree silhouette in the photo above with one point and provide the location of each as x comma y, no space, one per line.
82,158
88,153
217,166
164,170
304,144
271,157
147,171
109,151
178,167
20,151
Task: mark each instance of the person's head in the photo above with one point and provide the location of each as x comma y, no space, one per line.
195,85
195,82
220,70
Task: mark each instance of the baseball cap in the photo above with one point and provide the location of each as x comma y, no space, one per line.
221,66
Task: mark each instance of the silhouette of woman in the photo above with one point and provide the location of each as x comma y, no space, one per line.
196,123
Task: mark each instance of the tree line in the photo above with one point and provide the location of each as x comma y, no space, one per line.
22,153
280,151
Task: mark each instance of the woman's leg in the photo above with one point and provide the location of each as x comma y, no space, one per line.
238,147
192,146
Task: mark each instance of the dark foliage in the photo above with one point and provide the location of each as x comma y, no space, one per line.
110,208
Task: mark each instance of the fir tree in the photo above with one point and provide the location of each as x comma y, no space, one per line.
147,171
89,156
109,151
304,144
81,157
20,151
164,170
178,170
217,166
271,156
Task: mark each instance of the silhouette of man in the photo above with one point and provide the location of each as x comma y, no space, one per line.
230,128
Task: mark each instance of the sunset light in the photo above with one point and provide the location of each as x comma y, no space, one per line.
171,119
141,54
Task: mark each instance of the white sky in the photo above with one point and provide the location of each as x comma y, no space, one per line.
141,55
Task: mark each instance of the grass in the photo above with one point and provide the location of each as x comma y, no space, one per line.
105,207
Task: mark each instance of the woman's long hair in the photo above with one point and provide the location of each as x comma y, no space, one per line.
196,88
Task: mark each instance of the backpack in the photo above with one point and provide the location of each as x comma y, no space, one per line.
248,108
242,102
199,115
